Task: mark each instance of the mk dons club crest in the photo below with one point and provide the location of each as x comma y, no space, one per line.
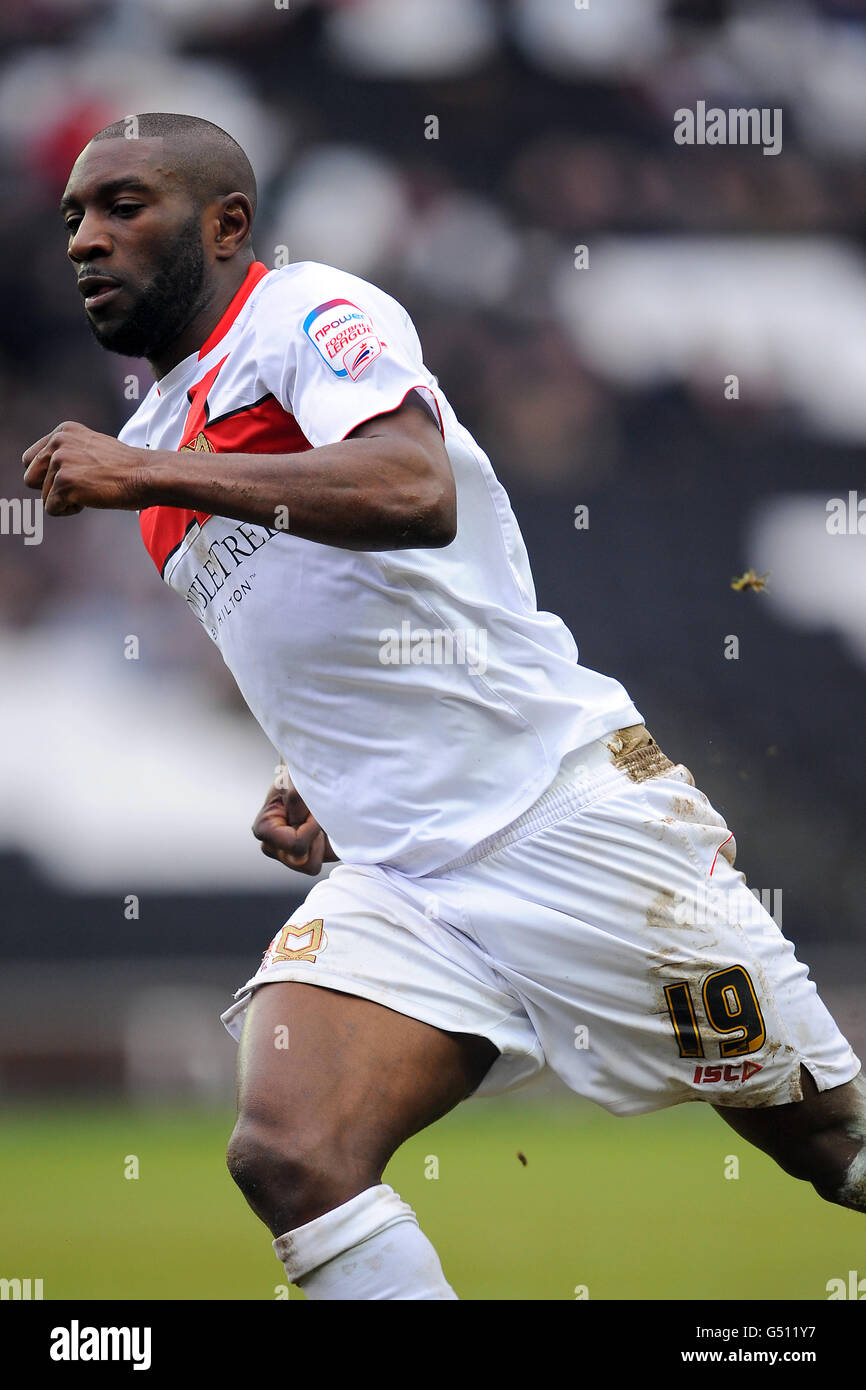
296,943
200,445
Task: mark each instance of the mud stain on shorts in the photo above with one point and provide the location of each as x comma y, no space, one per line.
660,912
788,1090
636,753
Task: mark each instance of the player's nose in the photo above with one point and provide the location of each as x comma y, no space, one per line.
89,239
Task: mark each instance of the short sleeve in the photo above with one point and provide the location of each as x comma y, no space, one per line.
350,353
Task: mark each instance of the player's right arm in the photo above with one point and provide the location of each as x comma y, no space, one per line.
288,832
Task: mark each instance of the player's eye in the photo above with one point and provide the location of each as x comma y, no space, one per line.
73,222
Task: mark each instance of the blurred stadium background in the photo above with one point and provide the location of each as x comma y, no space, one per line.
133,898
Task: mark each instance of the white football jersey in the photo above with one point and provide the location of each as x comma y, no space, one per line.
419,698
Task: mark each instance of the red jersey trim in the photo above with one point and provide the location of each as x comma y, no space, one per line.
255,273
263,427
197,415
164,530
421,386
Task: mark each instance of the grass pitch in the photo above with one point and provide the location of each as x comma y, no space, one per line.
625,1209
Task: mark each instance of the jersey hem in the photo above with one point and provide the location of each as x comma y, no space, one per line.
417,865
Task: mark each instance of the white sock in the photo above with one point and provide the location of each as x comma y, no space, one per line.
371,1247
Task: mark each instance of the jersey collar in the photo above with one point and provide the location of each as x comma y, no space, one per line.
251,279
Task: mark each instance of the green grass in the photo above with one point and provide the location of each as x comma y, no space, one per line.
633,1209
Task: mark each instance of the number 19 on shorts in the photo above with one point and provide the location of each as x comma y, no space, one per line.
730,1006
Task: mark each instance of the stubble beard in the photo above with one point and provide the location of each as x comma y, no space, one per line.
166,305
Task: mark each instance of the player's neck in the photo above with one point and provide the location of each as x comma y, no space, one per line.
202,325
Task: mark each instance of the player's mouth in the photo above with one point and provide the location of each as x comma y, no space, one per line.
98,290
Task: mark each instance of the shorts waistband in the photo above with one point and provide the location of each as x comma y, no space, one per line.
630,754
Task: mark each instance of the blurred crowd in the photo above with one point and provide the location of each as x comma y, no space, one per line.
459,153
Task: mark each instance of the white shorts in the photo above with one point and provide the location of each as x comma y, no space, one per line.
604,933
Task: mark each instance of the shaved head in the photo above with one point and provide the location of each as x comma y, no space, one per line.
205,156
158,211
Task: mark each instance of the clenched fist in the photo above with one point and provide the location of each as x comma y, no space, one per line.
76,468
289,832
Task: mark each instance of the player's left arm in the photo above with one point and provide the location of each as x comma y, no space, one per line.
388,486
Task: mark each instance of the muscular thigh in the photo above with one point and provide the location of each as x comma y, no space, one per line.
344,1069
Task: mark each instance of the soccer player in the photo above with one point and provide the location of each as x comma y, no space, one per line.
524,875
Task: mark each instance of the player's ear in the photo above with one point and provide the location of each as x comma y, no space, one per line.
234,220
